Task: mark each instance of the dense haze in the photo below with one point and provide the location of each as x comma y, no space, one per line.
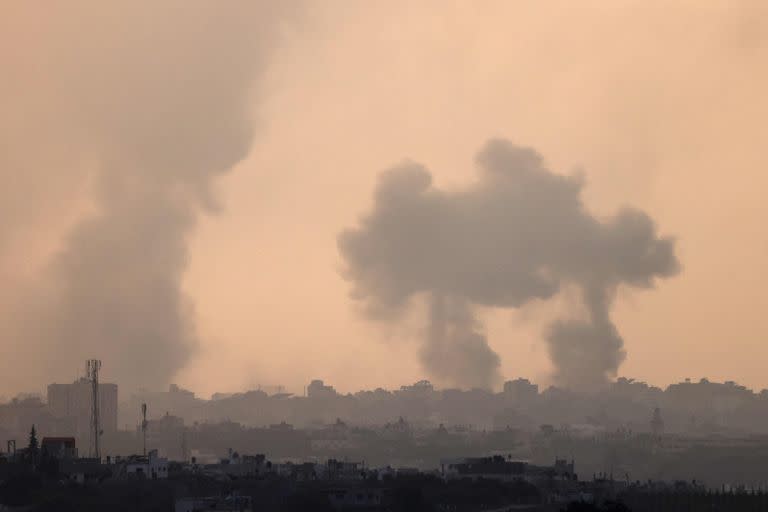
125,125
158,100
521,233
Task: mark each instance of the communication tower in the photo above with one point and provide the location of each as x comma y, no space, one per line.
92,367
144,426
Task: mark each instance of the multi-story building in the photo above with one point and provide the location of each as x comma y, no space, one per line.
521,390
167,435
318,389
75,401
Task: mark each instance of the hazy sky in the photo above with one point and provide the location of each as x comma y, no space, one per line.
661,105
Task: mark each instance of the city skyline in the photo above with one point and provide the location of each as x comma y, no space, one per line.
277,389
383,255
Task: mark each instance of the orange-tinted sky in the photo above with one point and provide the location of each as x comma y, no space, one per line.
662,106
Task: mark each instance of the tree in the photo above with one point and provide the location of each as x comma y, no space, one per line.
33,447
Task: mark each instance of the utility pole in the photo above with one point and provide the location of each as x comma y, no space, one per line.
92,367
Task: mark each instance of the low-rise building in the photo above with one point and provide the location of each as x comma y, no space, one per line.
137,466
498,467
231,503
59,447
355,498
340,470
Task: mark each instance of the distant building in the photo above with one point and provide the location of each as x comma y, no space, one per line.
175,401
281,427
521,390
420,388
151,466
74,401
299,472
341,470
399,429
168,433
243,465
24,411
271,390
59,447
333,438
83,471
222,504
355,498
318,389
498,467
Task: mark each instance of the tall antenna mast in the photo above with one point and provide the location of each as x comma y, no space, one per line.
92,367
144,426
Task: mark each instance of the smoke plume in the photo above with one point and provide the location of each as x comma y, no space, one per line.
156,96
519,233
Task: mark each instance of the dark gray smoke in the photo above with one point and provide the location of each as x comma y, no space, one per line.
519,233
456,350
158,97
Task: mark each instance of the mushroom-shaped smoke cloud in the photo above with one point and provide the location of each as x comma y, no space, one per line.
520,233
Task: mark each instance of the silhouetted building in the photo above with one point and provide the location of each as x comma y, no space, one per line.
74,401
521,390
59,447
152,466
23,411
498,467
232,503
176,401
421,388
166,433
318,389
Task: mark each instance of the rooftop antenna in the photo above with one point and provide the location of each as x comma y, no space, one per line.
92,367
144,426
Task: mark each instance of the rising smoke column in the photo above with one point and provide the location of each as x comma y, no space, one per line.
519,233
456,349
157,96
